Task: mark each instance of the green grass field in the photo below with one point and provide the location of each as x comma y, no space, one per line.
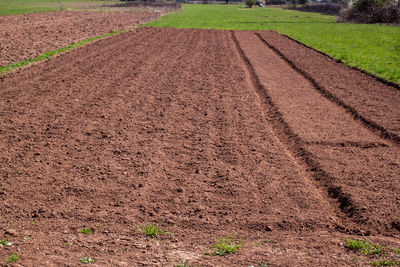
13,7
375,48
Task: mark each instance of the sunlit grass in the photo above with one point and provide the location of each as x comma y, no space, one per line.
13,7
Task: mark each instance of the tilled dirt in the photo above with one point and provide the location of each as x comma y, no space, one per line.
27,36
345,153
364,97
212,133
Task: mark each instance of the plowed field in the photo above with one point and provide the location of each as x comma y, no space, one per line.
212,133
27,36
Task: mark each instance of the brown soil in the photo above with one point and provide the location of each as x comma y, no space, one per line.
367,99
212,133
27,36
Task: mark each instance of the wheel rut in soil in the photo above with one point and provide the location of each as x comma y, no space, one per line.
366,122
291,142
325,138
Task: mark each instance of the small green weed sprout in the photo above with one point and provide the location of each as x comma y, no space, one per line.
87,231
397,251
5,242
152,230
384,263
365,246
87,260
13,258
227,245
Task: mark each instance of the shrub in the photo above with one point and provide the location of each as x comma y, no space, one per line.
372,11
276,2
302,2
324,8
250,3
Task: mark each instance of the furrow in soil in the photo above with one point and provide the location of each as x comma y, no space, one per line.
368,100
337,152
289,140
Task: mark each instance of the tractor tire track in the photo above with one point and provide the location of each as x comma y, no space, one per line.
325,138
365,120
304,159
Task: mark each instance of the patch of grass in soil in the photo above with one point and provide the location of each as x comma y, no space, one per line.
87,231
381,255
224,246
396,251
374,48
365,246
5,242
87,260
152,230
13,258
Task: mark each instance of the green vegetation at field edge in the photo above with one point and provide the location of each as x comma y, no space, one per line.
374,48
50,54
13,7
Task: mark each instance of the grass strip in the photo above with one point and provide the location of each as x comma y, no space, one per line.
50,54
15,7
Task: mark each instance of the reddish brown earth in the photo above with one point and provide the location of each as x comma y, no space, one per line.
367,99
212,133
27,36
